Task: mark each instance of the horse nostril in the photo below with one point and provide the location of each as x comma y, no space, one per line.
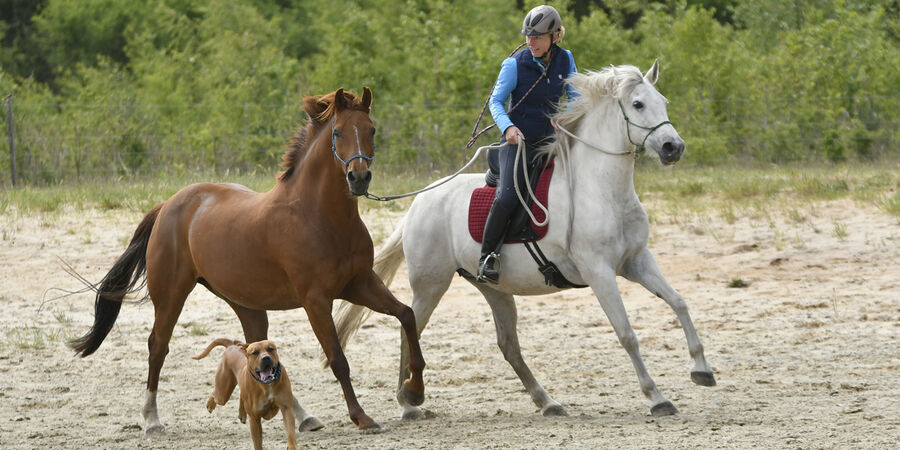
668,148
368,177
350,177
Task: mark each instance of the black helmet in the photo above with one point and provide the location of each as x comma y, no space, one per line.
541,20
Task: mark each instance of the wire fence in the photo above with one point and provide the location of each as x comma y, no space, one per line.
47,142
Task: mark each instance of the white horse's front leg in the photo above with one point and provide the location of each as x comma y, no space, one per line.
643,269
607,292
305,420
152,425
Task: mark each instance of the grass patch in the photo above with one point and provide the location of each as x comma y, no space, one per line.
32,337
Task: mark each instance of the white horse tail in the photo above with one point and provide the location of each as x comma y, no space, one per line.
349,317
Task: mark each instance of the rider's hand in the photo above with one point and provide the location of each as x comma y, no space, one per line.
513,134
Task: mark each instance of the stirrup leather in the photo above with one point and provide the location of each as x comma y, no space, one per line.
489,269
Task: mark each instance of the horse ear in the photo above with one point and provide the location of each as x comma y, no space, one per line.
339,101
653,74
367,97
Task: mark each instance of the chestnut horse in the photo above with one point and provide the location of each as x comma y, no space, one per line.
300,245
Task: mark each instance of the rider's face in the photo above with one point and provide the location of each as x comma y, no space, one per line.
538,44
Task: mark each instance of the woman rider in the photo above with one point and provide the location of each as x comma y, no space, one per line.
533,81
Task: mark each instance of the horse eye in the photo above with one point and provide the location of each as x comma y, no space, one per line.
373,132
637,104
337,133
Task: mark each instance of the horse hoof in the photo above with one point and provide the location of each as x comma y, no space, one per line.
413,413
703,378
554,411
372,428
155,431
311,424
664,409
406,395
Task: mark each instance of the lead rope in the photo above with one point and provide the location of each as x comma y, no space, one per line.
371,196
521,155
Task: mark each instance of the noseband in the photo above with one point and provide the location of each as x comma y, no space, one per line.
628,123
358,155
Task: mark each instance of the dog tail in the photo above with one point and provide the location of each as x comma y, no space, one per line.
123,278
224,342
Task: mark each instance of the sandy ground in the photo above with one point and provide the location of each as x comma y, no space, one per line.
806,356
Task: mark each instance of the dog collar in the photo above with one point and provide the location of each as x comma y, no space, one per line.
274,378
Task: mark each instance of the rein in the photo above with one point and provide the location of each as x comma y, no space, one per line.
274,378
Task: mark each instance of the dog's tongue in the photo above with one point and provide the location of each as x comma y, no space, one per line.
266,375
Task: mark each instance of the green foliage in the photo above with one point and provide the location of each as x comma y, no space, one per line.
106,88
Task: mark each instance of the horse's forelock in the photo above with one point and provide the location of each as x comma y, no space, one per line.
320,110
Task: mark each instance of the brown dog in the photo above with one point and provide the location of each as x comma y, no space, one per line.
265,387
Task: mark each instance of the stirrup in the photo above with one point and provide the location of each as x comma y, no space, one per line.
492,274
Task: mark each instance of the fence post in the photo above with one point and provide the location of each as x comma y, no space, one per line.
12,138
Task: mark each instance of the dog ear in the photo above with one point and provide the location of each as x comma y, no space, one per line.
243,346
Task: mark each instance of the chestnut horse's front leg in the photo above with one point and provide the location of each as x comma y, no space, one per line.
369,291
319,312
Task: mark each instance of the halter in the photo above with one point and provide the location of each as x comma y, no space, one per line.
274,378
358,155
639,148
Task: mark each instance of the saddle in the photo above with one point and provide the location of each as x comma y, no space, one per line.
521,228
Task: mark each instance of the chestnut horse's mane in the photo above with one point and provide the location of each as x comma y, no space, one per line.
320,111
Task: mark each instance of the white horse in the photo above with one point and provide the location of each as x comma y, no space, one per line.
597,230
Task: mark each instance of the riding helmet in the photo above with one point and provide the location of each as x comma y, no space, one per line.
541,20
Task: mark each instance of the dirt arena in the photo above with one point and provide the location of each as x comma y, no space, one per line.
807,355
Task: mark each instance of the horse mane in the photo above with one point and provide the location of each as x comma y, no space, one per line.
592,87
320,110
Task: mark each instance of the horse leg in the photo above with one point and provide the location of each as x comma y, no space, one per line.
370,291
168,300
607,292
643,269
255,323
503,307
319,312
427,293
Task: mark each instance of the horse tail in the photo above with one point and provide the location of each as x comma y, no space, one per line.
123,278
224,342
349,317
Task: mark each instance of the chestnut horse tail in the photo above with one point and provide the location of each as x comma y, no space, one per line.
125,276
224,342
350,317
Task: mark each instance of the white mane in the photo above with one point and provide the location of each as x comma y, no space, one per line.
592,87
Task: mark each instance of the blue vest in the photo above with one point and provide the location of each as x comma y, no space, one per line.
532,117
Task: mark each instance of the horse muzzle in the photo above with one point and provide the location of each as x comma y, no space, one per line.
358,180
671,151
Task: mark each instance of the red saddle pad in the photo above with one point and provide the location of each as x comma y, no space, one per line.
483,197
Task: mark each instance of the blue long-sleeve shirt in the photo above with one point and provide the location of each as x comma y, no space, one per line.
507,81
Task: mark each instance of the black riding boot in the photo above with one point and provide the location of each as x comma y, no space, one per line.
491,241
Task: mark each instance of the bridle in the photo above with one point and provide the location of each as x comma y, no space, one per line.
638,148
358,155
